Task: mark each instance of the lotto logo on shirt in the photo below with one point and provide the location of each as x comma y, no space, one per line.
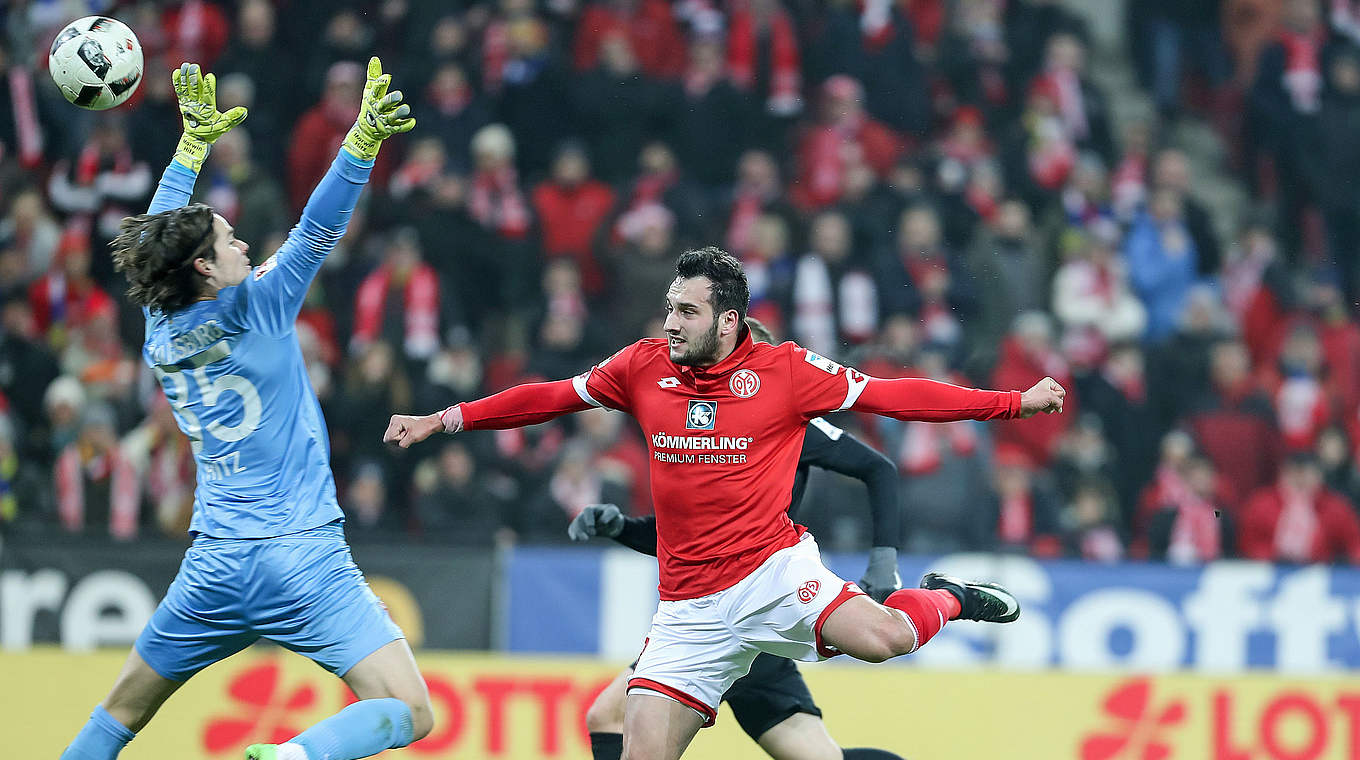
703,415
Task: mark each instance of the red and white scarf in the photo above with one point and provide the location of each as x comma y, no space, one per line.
420,305
498,204
785,79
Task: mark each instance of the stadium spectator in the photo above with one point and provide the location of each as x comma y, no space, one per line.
29,233
834,298
712,118
769,266
94,484
242,190
873,42
1163,262
1187,524
103,183
399,302
763,58
757,191
458,505
1117,391
1028,349
1020,514
648,26
318,131
843,129
1234,422
571,208
454,112
67,298
1009,273
642,264
1298,519
923,278
162,469
1090,523
1092,298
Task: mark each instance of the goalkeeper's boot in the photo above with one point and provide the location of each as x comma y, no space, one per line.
987,602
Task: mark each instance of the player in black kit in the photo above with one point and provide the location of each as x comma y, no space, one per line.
771,702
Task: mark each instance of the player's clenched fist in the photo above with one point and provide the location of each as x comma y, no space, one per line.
405,429
1046,396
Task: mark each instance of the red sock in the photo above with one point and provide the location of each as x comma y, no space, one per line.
927,609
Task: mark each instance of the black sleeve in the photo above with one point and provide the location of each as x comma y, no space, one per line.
841,452
639,534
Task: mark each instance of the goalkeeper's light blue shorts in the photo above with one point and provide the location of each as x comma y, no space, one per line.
301,590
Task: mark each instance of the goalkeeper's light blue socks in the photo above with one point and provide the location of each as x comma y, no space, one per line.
365,728
102,738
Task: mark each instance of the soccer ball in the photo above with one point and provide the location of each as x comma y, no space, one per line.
97,62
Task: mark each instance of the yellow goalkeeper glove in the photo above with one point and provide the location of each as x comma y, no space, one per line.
381,115
203,123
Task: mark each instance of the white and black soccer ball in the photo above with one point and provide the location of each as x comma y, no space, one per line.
96,61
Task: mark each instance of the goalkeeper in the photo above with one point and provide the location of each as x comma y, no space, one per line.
772,702
269,558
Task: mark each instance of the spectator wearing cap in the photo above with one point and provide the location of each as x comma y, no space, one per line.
1029,352
399,302
1298,519
1021,512
572,207
843,128
1234,422
93,480
1163,262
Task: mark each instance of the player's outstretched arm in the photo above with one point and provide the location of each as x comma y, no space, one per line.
276,299
522,405
196,92
918,399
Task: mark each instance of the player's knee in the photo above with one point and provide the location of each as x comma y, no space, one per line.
888,640
605,715
422,718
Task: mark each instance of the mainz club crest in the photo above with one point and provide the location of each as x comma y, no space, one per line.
744,383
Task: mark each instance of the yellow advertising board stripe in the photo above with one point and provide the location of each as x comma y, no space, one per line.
508,708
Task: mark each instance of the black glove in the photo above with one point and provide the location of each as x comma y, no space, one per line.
881,578
596,520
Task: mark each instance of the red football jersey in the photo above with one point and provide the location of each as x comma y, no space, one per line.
724,443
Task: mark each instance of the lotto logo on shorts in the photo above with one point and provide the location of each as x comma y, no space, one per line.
808,591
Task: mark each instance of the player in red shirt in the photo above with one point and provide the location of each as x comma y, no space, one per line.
725,418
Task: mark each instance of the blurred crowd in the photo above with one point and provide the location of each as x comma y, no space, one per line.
926,188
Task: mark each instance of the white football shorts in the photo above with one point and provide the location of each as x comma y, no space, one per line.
697,648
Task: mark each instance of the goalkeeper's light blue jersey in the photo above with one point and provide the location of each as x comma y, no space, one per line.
232,371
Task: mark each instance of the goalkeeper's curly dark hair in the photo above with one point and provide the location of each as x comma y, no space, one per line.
156,252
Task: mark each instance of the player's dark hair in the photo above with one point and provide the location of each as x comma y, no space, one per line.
759,332
157,251
729,289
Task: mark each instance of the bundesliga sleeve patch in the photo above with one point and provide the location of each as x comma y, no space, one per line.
822,363
263,268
